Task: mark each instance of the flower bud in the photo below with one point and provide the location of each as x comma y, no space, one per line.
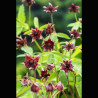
50,87
50,66
60,86
35,87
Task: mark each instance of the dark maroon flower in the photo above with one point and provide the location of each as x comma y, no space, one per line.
24,82
35,87
31,62
74,8
28,2
50,8
44,74
75,34
50,66
69,46
60,86
21,42
50,87
67,66
36,34
49,29
48,45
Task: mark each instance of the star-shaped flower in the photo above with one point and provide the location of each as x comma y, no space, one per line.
21,42
48,45
67,66
74,8
36,34
31,62
50,8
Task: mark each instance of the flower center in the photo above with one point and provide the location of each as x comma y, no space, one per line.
31,62
49,44
67,66
36,34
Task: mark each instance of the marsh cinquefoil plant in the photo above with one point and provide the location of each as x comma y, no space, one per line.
56,63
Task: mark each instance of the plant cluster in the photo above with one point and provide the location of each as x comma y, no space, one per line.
51,63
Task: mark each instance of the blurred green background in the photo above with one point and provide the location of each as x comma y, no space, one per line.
61,19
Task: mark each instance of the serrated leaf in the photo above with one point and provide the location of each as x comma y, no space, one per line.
36,22
75,25
63,77
44,26
22,91
28,32
51,59
19,28
27,49
63,35
21,55
21,14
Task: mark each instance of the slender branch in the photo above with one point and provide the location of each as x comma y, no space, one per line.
54,94
38,46
51,18
70,55
69,86
35,75
29,14
64,94
41,95
48,95
57,74
76,17
74,86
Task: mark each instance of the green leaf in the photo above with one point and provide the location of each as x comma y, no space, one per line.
36,22
55,39
19,28
28,32
52,77
59,54
44,26
21,55
79,89
77,51
51,59
77,66
63,35
22,91
63,77
25,27
75,25
27,49
21,14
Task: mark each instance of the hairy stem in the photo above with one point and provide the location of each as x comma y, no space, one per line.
69,86
35,75
54,94
29,14
51,18
76,17
64,94
48,95
74,86
38,46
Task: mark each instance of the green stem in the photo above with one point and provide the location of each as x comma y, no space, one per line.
38,46
69,86
74,86
64,94
29,15
76,17
51,18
